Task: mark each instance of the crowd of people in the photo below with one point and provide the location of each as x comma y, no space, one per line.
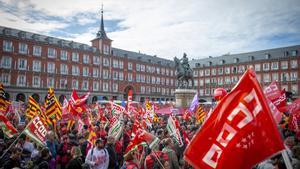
71,149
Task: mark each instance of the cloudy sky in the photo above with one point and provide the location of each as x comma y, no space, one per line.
165,28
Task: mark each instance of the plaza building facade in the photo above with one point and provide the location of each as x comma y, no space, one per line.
280,65
31,63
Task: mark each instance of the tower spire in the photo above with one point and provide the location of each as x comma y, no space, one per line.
101,33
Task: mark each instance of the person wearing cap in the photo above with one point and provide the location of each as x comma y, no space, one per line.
98,157
76,162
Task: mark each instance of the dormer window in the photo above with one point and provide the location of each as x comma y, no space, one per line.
209,63
50,40
294,53
236,60
286,53
21,35
251,58
268,56
35,37
7,31
222,62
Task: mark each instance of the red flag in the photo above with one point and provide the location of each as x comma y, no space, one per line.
77,104
239,133
8,129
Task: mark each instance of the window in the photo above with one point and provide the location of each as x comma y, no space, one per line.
105,86
149,79
294,53
227,80
85,71
130,77
7,46
63,55
171,82
213,72
115,64
220,71
138,77
195,82
266,66
85,85
201,73
96,60
163,80
95,72
75,70
294,89
138,68
63,69
227,70
207,91
22,64
158,70
5,79
143,89
234,79
220,81
36,81
294,64
241,69
163,71
51,67
258,76
51,53
207,72
106,49
36,66
236,60
121,64
153,90
50,82
75,57
37,51
129,66
266,77
274,65
294,76
143,78
153,80
105,74
157,80
275,77
115,75
201,82
234,70
167,72
284,77
115,87
23,48
95,86
284,65
63,83
142,68
105,62
6,62
207,81
74,84
195,73
86,59
257,67
121,76
21,81
171,72
201,92
267,56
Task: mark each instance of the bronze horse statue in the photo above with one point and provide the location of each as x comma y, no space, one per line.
183,74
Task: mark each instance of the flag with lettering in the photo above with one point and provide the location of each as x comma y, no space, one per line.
116,127
239,133
37,130
8,129
173,131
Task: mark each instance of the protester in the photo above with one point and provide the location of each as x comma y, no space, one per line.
76,162
168,149
14,159
43,162
98,157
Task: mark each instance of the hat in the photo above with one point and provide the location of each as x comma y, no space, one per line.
99,140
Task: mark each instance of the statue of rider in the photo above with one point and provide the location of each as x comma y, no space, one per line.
185,62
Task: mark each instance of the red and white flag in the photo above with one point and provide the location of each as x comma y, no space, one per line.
37,130
8,129
239,133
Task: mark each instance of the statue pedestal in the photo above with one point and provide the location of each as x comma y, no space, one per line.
184,97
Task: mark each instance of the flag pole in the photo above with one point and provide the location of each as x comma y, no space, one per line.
16,139
286,159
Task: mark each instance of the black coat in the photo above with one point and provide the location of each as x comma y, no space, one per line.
112,156
75,163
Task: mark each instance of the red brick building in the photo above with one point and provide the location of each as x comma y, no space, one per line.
280,64
30,63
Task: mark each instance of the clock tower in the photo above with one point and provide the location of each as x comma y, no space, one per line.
102,42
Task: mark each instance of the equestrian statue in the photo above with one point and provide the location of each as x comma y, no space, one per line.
184,73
